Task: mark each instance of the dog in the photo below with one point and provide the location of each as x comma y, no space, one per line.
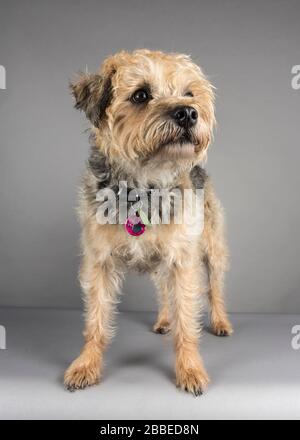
152,120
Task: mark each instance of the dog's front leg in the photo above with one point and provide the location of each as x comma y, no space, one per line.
100,283
185,280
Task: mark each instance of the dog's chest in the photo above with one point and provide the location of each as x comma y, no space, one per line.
140,253
160,244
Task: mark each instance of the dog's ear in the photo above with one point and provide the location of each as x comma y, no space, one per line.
92,93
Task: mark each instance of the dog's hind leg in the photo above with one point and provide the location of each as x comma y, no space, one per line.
220,323
215,257
100,283
162,324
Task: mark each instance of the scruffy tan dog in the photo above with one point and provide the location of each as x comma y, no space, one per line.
152,118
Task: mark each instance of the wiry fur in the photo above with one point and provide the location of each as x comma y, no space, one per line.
141,144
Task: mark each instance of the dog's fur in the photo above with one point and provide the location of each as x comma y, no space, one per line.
140,143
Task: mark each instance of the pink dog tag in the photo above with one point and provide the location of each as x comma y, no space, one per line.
134,226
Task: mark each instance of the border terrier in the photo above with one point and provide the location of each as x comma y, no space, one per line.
152,120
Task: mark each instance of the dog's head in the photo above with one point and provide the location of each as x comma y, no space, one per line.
148,104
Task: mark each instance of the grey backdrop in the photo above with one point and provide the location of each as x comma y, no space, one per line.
247,49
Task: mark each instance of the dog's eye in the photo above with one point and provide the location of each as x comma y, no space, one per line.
189,94
140,95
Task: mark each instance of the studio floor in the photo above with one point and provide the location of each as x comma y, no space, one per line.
254,374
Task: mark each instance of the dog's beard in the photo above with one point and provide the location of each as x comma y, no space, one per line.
177,150
182,144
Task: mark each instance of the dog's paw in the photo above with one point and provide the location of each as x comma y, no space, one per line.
81,375
162,327
222,328
192,380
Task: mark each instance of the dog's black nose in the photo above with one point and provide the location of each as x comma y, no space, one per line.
185,116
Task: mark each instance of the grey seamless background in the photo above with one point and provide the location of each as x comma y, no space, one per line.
246,48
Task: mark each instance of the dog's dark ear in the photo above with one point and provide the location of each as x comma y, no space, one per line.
92,93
